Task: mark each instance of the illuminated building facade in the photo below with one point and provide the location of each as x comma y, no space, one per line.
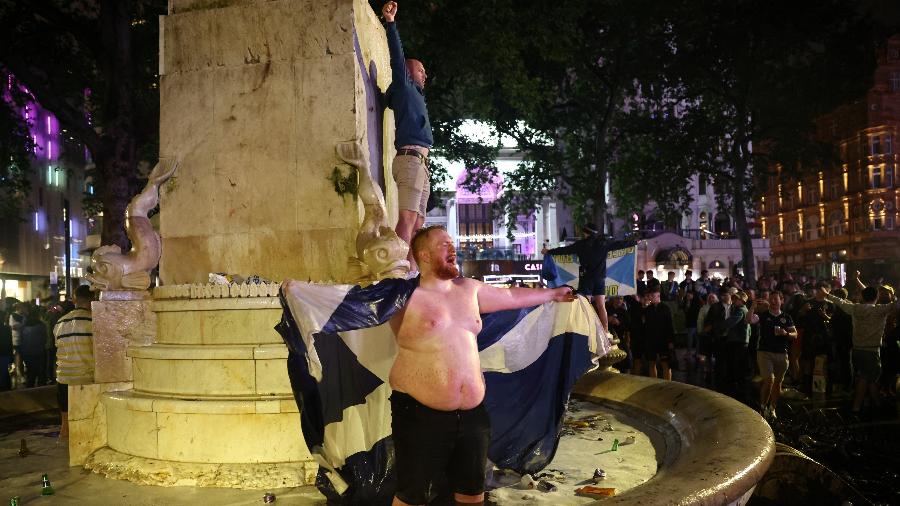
33,248
836,220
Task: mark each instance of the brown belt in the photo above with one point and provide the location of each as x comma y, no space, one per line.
412,152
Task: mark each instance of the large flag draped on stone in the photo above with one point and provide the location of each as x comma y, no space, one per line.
341,350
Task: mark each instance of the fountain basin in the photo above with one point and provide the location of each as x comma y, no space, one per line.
716,451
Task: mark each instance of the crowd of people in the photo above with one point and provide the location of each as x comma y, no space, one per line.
815,335
29,340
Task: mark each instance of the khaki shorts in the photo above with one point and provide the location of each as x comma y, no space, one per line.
411,175
772,364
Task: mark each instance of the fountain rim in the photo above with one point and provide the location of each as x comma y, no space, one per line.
722,449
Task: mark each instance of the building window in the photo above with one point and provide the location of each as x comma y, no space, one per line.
812,195
834,189
895,81
811,232
875,145
835,224
889,144
877,215
723,224
792,232
881,177
702,183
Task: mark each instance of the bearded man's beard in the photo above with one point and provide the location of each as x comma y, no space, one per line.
447,270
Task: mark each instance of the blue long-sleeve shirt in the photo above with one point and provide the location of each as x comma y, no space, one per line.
406,98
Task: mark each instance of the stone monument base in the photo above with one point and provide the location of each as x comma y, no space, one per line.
143,471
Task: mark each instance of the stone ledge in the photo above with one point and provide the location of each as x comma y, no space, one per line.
164,305
137,401
121,466
209,352
725,447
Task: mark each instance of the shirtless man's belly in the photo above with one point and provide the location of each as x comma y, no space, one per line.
438,361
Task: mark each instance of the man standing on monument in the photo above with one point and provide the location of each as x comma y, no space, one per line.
413,139
440,426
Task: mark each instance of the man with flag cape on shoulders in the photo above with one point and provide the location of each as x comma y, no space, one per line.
405,387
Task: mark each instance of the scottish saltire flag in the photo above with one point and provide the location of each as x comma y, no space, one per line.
341,350
620,271
559,270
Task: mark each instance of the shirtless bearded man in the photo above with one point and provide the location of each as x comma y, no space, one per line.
440,426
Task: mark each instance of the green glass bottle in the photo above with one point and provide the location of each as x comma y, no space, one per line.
14,501
47,488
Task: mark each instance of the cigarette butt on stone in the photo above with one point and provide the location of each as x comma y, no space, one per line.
595,492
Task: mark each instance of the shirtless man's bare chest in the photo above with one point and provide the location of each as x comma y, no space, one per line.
438,360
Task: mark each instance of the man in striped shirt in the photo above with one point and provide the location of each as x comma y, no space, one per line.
74,351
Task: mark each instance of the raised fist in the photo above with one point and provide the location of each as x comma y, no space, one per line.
389,10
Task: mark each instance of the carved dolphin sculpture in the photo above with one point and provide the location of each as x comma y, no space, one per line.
380,253
113,270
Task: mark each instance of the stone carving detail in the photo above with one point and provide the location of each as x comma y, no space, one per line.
216,291
380,253
113,270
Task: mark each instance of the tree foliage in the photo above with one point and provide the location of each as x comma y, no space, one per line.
16,148
93,64
648,94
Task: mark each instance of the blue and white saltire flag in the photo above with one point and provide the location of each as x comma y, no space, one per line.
620,272
341,350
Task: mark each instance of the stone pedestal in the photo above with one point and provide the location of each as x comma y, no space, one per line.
87,419
120,319
211,403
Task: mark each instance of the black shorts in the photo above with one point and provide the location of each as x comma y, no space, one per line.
656,349
62,396
434,447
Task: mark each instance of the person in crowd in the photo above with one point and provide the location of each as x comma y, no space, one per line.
413,138
637,332
669,288
718,332
842,330
659,334
737,338
74,334
814,320
688,285
619,323
33,348
704,285
869,321
890,347
6,353
690,305
652,280
16,323
704,332
776,329
641,285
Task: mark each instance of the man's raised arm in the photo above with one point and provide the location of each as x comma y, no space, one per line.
395,47
492,299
